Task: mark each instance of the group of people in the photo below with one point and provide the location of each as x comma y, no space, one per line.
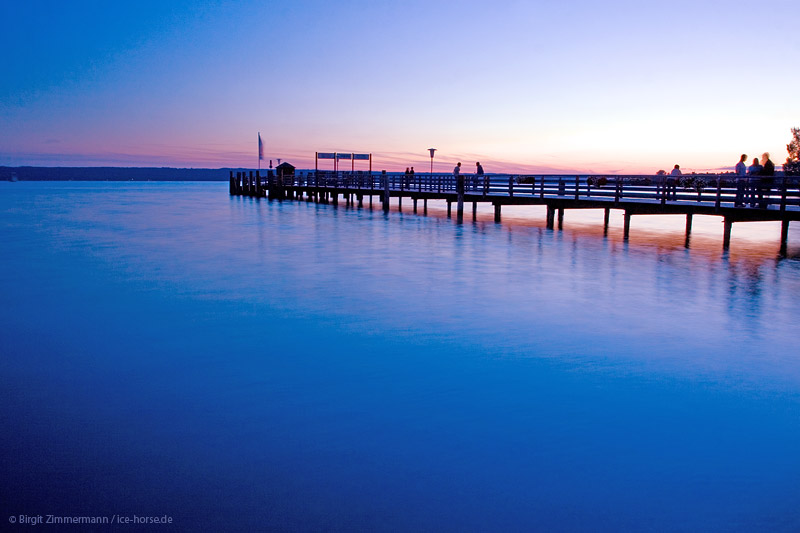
753,184
750,190
475,177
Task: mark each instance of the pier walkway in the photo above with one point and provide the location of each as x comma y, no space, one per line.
734,198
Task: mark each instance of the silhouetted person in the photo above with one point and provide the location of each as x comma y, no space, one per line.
658,181
478,176
752,183
741,181
766,179
672,183
457,174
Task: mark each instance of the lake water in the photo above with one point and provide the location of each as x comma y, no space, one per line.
251,365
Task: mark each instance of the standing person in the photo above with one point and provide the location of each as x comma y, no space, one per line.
752,187
478,176
411,177
672,183
766,179
457,173
741,181
658,181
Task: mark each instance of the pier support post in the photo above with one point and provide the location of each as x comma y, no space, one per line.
560,217
449,207
415,205
606,216
551,216
497,212
460,182
425,206
386,195
688,224
230,186
626,231
784,232
726,235
400,201
474,210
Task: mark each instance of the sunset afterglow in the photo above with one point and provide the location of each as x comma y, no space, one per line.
520,86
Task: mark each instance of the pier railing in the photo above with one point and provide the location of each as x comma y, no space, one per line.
735,198
780,192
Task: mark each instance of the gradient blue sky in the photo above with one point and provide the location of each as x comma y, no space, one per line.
615,86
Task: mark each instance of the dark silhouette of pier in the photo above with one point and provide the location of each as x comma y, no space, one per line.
706,194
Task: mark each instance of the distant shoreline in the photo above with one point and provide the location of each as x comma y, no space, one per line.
116,173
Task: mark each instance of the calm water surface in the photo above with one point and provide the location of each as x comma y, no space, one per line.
246,365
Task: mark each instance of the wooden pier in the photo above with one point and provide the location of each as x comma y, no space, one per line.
734,198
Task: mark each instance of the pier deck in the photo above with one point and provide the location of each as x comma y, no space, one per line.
735,199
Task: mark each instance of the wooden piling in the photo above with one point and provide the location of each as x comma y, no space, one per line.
497,212
551,216
784,232
386,195
626,231
688,224
460,182
560,217
606,217
726,235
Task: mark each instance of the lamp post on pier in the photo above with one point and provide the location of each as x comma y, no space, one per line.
431,150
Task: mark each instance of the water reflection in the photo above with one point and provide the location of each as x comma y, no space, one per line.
338,362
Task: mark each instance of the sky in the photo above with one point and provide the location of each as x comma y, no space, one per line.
522,86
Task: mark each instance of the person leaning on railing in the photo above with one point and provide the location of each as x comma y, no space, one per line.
478,176
766,180
672,183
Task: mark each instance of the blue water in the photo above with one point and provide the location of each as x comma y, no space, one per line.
245,365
